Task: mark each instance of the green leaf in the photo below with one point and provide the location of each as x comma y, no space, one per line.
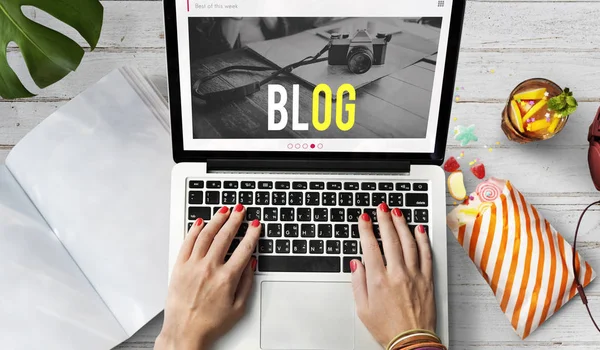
48,54
569,110
571,101
557,103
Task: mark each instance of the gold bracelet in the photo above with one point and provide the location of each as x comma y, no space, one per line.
413,339
409,332
423,345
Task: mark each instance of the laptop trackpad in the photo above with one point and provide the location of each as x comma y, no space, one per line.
307,315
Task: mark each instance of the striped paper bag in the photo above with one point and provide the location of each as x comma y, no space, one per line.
526,262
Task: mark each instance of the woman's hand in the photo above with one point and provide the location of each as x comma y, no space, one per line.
400,296
207,296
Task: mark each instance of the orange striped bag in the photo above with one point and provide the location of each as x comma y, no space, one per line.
525,261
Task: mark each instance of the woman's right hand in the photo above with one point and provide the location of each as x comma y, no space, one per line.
400,296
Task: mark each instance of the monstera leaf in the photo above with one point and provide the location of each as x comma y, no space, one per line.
49,55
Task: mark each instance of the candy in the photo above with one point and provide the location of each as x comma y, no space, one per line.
465,134
478,170
487,191
451,165
456,186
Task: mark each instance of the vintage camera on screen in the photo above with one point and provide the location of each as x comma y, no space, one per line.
360,52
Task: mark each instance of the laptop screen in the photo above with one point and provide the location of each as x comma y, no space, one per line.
311,76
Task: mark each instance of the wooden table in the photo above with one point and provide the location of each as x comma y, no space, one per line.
504,42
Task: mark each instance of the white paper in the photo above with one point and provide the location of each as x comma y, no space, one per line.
98,170
46,301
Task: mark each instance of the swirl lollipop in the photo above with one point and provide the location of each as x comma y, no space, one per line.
487,191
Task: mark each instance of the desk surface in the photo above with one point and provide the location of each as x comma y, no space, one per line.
500,49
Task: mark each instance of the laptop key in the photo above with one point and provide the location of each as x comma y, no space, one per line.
402,186
241,232
286,214
307,230
234,244
213,184
368,186
270,214
199,212
230,184
346,199
253,213
372,213
337,215
190,224
361,199
329,198
350,247
282,246
262,198
376,231
341,231
229,197
317,185
274,263
351,186
316,246
290,230
417,200
265,185
396,200
299,185
386,186
265,246
347,260
412,228
420,187
336,186
303,214
295,198
320,214
246,198
421,216
279,198
352,215
333,247
407,213
324,231
354,231
274,230
212,197
299,246
196,184
195,197
282,185
378,198
248,185
312,198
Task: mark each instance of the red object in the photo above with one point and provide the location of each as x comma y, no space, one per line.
478,170
255,223
239,207
451,165
365,217
352,265
199,221
397,212
384,208
594,152
223,210
253,264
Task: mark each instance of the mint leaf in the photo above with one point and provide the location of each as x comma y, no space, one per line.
571,101
563,104
569,110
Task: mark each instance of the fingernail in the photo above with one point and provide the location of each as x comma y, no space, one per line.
199,221
384,207
421,228
253,264
365,217
223,210
239,207
352,265
255,223
397,212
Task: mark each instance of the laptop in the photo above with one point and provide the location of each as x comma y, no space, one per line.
311,112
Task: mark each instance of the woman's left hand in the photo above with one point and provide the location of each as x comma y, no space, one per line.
207,295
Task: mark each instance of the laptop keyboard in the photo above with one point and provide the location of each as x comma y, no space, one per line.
307,226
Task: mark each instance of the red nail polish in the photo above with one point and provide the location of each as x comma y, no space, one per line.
253,264
397,212
255,223
239,207
384,207
421,228
352,265
365,217
223,210
199,222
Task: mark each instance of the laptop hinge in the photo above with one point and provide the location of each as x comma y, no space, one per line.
313,165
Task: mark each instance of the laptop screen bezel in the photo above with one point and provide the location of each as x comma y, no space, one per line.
436,157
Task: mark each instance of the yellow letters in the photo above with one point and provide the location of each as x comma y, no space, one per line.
316,96
350,107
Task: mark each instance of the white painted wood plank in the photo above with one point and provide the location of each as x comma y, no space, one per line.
3,154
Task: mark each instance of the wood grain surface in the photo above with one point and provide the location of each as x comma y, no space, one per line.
504,42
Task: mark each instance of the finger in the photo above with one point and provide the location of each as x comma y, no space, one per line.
425,256
190,240
409,246
389,237
359,284
245,285
371,253
205,240
245,249
223,239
